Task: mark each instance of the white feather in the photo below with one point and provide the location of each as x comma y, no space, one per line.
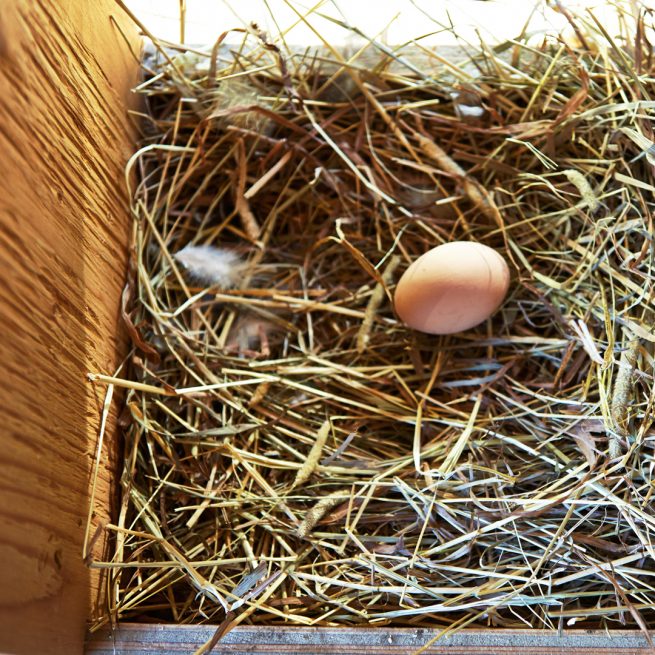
211,266
470,110
466,111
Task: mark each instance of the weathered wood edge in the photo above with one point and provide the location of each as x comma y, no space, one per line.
141,639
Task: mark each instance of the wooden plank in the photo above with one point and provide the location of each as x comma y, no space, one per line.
135,639
65,75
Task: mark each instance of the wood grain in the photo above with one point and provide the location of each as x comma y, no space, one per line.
134,639
65,75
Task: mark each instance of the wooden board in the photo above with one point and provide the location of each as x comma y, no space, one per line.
65,75
134,639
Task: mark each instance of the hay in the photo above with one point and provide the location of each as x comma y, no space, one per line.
294,454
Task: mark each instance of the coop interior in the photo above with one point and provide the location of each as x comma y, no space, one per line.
294,453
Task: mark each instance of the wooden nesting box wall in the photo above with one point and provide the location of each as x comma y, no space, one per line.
66,70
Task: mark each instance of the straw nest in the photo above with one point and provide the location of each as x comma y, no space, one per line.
293,453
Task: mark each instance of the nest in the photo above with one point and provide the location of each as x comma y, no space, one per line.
293,453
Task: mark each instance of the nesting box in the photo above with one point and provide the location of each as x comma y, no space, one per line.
66,74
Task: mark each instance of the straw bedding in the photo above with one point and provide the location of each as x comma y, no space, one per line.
293,453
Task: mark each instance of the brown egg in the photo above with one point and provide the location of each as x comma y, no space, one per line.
452,287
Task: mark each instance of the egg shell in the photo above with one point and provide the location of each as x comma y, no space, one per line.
452,287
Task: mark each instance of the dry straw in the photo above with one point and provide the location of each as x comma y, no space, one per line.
293,454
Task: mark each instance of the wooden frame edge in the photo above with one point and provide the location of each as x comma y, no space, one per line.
144,639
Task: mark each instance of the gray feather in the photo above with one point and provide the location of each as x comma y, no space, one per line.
211,266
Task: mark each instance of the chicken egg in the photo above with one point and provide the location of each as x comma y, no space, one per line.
452,287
